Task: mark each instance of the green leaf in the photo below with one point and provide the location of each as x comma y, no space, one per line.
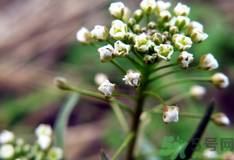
103,155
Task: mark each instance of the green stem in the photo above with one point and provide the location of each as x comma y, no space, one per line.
123,145
108,40
165,74
147,20
137,65
183,81
143,156
165,66
125,96
95,45
62,119
157,96
137,55
120,117
118,66
181,114
95,95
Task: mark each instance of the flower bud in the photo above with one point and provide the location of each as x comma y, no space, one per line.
208,62
198,36
116,10
43,129
131,38
220,80
100,78
132,78
118,30
44,141
148,6
107,89
181,10
126,15
7,151
197,91
174,29
136,28
192,26
121,49
55,153
164,51
161,6
84,36
152,25
182,22
100,33
165,16
138,15
6,137
181,42
166,26
170,114
159,38
61,83
220,119
143,43
149,59
131,22
106,53
185,59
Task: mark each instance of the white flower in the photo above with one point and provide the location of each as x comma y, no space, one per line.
6,137
116,10
170,114
181,10
44,142
118,30
121,49
106,53
107,89
7,151
172,21
84,36
100,78
220,119
197,91
55,153
185,59
182,22
198,36
148,6
43,129
192,26
143,43
165,15
161,6
208,153
208,62
132,78
181,42
164,51
100,33
127,14
220,80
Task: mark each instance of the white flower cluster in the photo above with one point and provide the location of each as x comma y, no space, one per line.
17,148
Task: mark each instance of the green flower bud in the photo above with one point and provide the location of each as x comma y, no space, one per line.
100,33
148,59
131,22
161,6
165,16
173,30
148,6
181,10
182,22
126,14
136,28
159,38
138,15
131,38
61,83
152,25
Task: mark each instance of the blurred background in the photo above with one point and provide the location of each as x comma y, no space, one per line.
38,42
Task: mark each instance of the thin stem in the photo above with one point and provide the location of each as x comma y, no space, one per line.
137,55
118,66
183,81
123,145
108,40
147,20
137,65
181,114
142,156
165,74
95,95
120,117
125,96
165,66
157,96
95,45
